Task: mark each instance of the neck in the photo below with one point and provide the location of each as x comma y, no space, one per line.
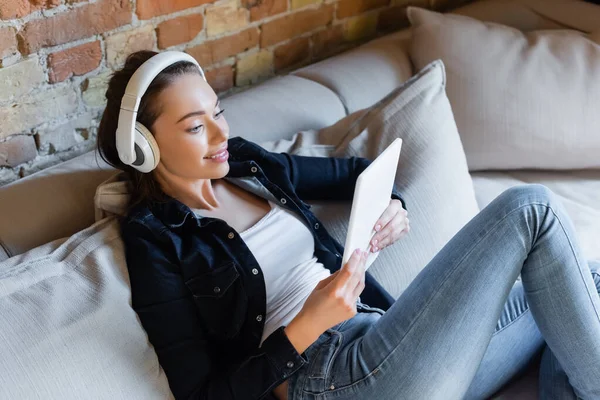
194,193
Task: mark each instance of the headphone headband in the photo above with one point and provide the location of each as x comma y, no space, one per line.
136,87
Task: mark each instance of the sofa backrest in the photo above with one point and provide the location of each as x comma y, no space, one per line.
58,201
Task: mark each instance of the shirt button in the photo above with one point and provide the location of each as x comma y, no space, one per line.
253,169
217,289
254,271
283,201
259,317
230,235
290,364
337,255
317,225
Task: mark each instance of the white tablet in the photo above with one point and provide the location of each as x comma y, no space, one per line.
372,195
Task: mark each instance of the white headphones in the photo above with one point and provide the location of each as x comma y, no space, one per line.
135,144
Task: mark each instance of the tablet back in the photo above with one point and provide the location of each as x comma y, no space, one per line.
372,195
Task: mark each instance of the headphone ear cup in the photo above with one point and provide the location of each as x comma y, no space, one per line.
146,149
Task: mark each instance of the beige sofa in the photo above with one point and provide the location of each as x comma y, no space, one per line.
55,203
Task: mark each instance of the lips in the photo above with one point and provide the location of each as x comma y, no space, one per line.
218,153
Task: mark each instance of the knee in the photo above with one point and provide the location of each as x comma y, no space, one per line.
532,193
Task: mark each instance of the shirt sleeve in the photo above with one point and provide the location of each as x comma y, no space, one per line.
326,178
168,314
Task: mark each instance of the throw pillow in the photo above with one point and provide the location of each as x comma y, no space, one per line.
432,172
521,100
67,327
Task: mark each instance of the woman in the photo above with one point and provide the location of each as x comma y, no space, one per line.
231,274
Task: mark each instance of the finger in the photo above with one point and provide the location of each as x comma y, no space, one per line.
360,286
324,282
390,233
356,285
347,270
351,274
389,241
387,215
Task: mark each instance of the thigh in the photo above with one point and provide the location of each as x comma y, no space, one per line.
431,341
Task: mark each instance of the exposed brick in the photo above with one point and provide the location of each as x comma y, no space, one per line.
291,53
17,150
64,136
360,27
417,3
220,79
75,24
76,61
254,67
19,79
93,90
8,175
19,8
392,19
303,3
212,52
295,24
179,30
260,9
350,8
8,42
147,9
33,110
327,40
225,17
122,44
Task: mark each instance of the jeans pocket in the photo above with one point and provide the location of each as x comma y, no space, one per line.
321,361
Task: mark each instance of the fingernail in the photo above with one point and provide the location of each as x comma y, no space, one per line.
357,251
377,228
375,241
376,248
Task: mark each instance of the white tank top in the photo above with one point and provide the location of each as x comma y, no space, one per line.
284,247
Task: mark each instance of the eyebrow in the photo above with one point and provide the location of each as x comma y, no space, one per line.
200,112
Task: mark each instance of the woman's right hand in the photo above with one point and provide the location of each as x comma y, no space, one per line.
333,300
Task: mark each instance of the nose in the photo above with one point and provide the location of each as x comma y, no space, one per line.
218,129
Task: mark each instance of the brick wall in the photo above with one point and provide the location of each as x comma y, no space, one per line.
56,56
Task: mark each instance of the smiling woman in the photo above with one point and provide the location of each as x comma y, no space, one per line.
177,109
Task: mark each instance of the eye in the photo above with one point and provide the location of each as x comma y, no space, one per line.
219,113
195,129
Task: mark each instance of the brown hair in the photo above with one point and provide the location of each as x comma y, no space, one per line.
144,186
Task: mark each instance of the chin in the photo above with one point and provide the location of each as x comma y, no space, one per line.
223,169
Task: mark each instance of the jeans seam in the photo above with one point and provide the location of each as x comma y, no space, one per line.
512,321
437,289
576,259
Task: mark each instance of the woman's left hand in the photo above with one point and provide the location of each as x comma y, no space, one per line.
391,226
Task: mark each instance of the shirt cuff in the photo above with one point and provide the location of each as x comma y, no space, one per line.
282,353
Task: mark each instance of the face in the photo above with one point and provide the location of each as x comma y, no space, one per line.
190,129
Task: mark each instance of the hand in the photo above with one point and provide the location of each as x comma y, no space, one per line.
333,300
391,226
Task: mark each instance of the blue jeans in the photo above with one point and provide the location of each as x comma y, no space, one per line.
467,323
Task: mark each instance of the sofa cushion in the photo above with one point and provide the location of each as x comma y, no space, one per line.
520,100
280,107
52,203
578,190
432,172
364,75
67,326
531,15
